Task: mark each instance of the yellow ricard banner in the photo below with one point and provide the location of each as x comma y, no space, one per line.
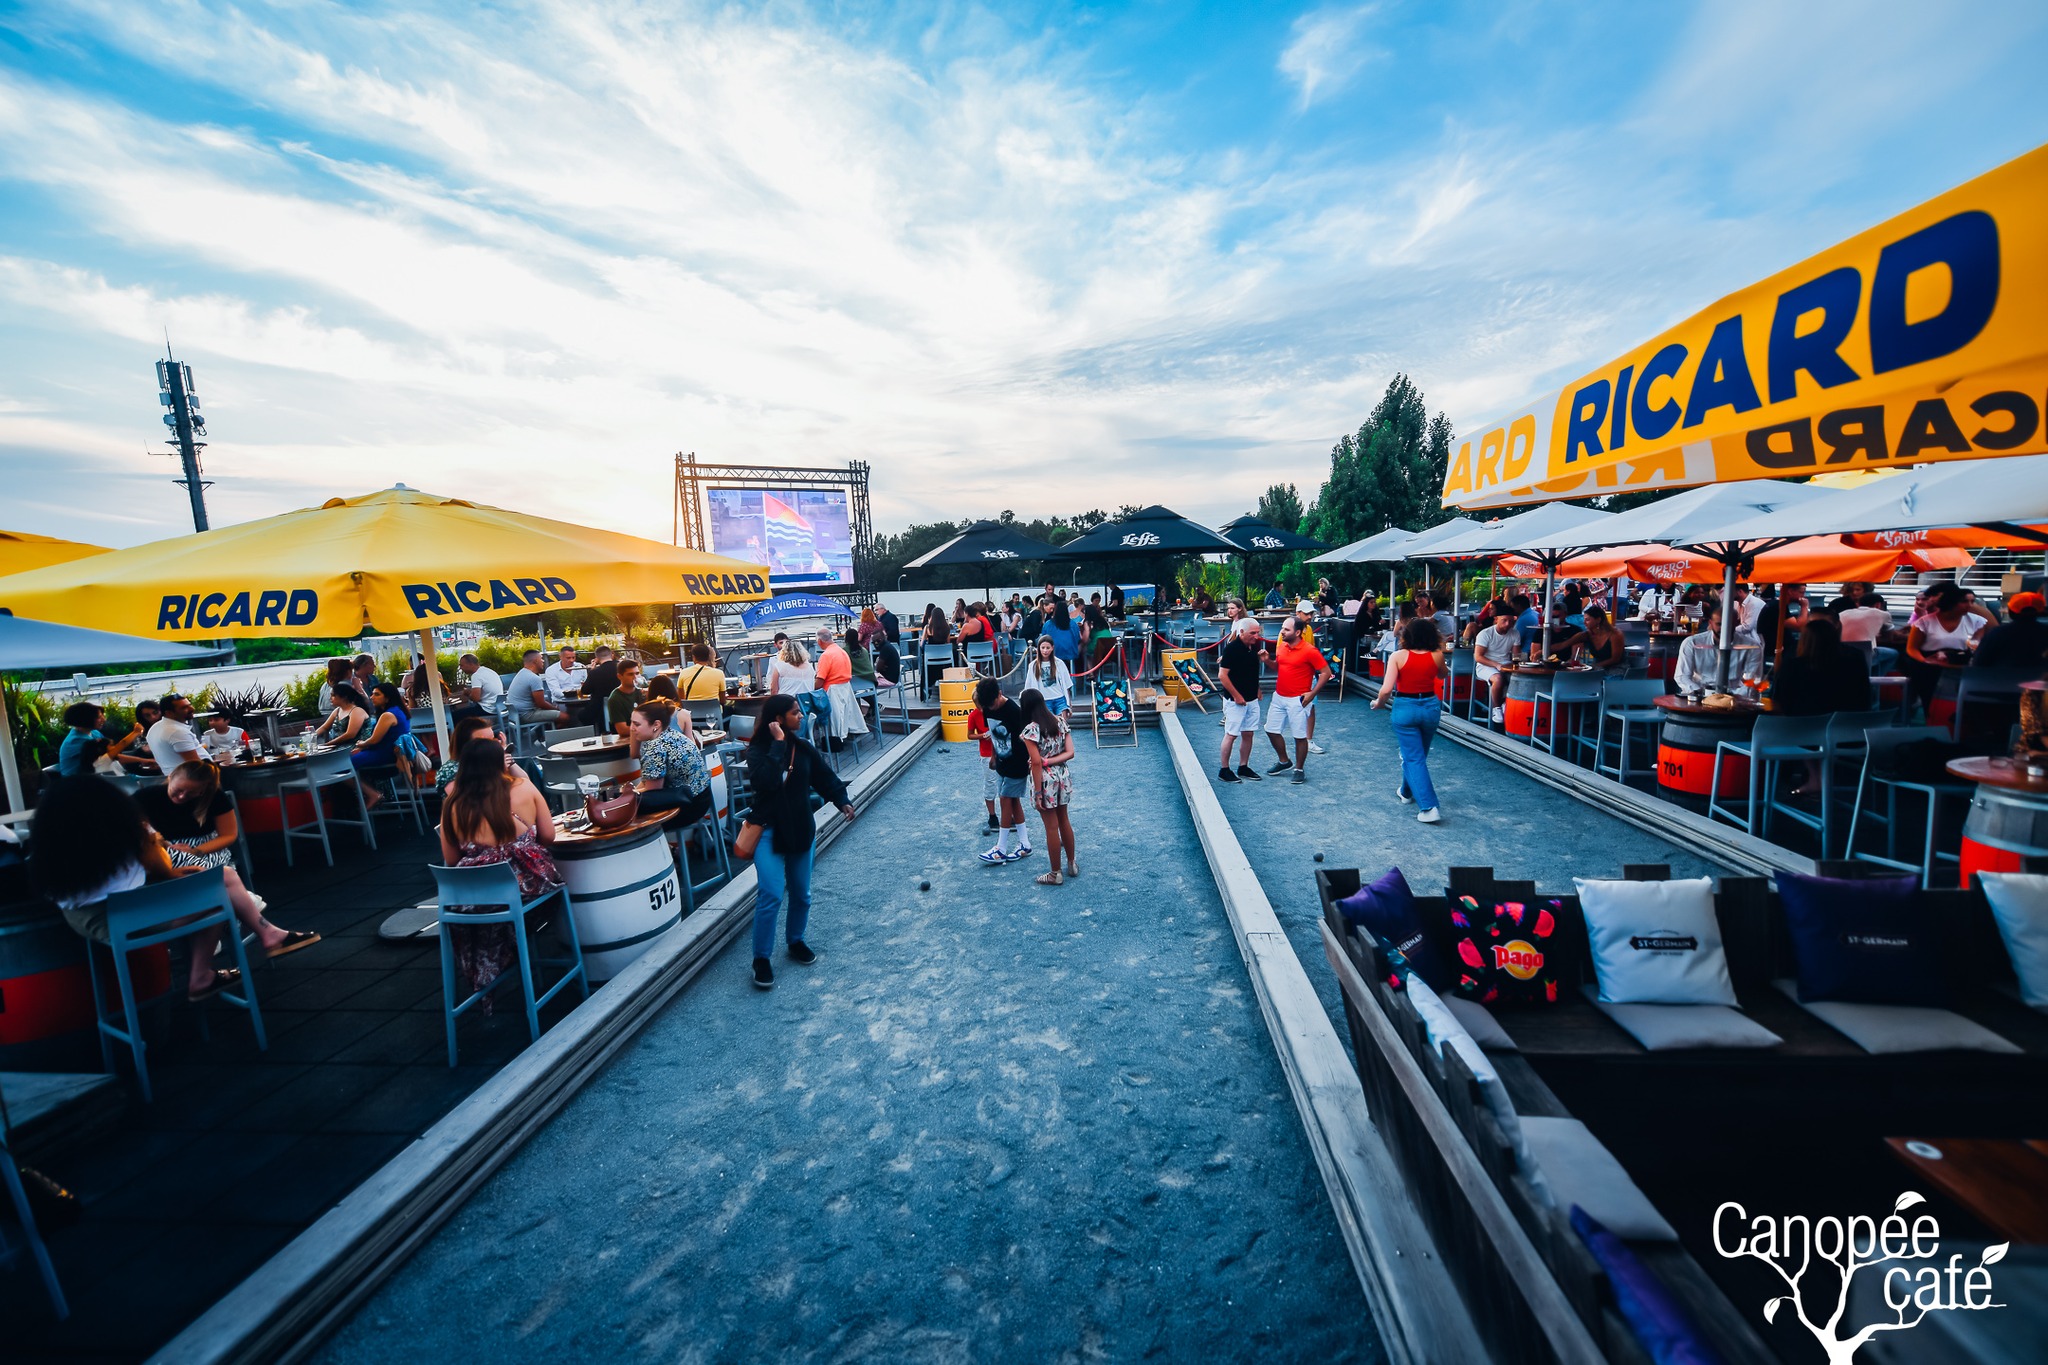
1925,338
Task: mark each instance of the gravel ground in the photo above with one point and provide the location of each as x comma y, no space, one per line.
996,1121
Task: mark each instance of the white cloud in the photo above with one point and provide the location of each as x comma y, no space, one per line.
1327,50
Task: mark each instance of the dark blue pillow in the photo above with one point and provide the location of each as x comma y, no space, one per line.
1660,1324
1386,909
1864,941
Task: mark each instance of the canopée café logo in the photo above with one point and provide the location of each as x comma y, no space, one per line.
1136,539
1916,1282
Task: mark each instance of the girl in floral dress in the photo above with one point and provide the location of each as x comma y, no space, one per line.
1050,744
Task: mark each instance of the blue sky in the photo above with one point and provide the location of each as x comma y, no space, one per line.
1036,257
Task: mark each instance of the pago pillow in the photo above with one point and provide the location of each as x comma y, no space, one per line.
2019,902
1656,943
1507,952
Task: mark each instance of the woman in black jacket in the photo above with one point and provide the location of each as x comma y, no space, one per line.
784,770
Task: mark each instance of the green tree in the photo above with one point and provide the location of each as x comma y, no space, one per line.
1389,472
1281,506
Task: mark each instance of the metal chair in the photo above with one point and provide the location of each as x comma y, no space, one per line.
322,772
25,1216
1567,689
1628,701
566,733
558,781
244,862
1774,740
496,885
150,915
1845,742
707,827
1880,748
1463,665
930,657
1982,687
981,656
522,729
706,714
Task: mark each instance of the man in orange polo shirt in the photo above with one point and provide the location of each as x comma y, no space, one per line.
835,680
1299,672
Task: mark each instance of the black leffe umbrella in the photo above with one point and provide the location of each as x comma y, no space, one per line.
987,543
1151,534
1257,536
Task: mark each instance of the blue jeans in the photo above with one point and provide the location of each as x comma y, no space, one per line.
777,878
1415,721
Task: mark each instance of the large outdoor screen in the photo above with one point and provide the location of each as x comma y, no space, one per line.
803,535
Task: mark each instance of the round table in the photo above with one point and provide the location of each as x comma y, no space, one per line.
262,814
597,755
622,888
2007,829
1528,700
1685,749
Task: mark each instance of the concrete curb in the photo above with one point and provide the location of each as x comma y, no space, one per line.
1710,839
288,1306
1417,1308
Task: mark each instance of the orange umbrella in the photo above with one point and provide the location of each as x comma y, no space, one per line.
1816,559
1948,537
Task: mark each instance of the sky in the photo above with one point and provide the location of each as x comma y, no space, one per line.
1030,257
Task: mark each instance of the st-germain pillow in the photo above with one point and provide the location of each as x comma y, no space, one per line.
1507,951
1385,907
1656,943
2019,902
1865,941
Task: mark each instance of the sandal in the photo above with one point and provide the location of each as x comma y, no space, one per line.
1049,879
294,940
1072,871
222,979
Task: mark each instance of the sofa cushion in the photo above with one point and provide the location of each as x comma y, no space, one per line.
1385,908
1656,943
1880,1029
1654,1315
1665,1028
2019,902
1867,940
1507,951
1580,1170
1480,1023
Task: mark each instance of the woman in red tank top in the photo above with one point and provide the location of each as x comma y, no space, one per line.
1410,690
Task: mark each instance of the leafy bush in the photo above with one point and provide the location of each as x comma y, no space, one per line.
237,702
303,696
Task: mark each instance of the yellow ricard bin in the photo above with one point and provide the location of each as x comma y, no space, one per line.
956,699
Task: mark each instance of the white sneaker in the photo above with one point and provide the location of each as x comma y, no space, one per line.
1430,816
1500,715
1316,748
1401,794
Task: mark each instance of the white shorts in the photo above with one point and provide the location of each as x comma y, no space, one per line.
1484,671
1287,716
1240,717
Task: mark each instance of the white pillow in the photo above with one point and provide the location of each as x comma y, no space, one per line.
2019,902
1656,943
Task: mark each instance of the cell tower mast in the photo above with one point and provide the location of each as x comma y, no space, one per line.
187,423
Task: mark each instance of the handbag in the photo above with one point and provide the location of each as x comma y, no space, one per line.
747,839
620,810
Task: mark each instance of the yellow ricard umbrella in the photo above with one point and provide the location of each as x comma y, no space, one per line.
394,561
21,550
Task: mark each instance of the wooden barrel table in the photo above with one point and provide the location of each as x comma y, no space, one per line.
1528,701
622,890
46,989
1685,750
2007,828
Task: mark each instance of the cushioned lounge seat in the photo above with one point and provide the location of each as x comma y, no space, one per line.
1880,1029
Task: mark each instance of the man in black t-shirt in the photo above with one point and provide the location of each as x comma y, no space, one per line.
1239,669
602,681
1005,720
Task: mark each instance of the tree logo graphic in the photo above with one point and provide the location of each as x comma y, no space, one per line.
1915,1284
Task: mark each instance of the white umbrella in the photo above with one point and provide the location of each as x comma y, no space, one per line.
2004,497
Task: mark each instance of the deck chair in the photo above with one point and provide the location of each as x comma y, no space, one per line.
1114,712
1194,680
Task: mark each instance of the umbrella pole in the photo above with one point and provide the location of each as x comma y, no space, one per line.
7,765
1549,591
433,666
1457,583
1725,655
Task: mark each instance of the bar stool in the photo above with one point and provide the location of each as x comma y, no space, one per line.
496,885
1566,689
558,781
143,918
1629,701
26,1217
322,771
1880,747
1774,740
